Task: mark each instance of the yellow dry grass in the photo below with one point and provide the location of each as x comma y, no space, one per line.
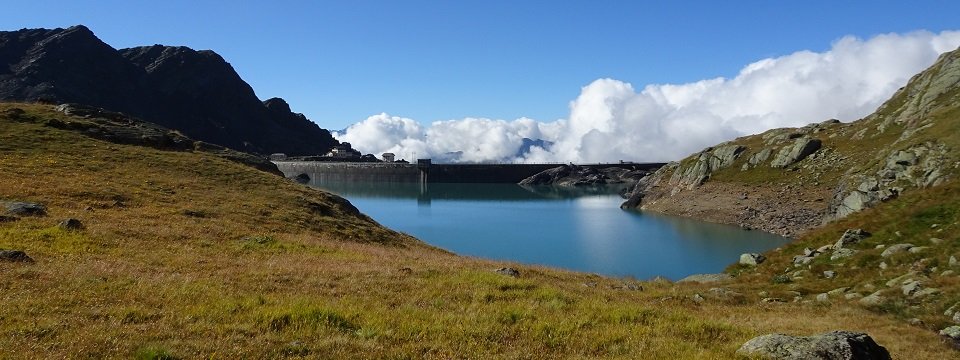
186,255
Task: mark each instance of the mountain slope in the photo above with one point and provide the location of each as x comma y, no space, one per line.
196,92
791,180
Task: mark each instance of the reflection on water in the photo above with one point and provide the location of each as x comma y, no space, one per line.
578,229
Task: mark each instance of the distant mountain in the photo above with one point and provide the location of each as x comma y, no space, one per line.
195,92
529,143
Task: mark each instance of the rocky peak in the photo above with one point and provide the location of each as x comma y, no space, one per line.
196,92
277,105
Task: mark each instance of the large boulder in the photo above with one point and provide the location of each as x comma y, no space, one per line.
952,336
20,208
752,259
14,256
834,345
800,149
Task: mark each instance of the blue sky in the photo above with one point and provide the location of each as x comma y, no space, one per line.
339,62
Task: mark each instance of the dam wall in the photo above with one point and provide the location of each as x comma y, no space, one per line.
425,171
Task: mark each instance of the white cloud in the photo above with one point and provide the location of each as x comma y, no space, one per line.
612,121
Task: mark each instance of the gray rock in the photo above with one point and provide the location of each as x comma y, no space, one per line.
851,236
838,291
768,300
936,241
917,249
854,202
508,271
824,297
19,208
902,279
706,278
800,149
835,345
911,287
698,298
842,253
953,261
752,259
14,256
956,317
896,248
872,299
759,156
829,274
947,273
71,224
852,296
952,336
869,185
926,292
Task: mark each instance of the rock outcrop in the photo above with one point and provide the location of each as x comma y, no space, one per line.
573,175
835,345
195,92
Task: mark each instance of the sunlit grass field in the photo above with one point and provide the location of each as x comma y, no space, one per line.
188,255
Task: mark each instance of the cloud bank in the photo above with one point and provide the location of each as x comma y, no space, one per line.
610,120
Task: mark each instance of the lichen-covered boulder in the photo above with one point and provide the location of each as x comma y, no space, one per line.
834,345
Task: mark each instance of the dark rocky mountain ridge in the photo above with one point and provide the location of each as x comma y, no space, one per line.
196,92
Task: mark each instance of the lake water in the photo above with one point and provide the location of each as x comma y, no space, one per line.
577,230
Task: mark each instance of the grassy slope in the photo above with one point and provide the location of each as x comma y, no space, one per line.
267,268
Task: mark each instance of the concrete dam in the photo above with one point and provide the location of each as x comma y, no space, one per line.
424,171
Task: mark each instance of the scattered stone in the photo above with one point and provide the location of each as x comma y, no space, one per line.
881,246
14,256
698,298
832,345
894,249
915,322
947,273
950,310
952,336
829,274
872,299
852,296
911,287
70,224
883,265
825,248
706,278
917,249
508,271
842,253
936,241
838,291
956,317
824,297
902,279
953,261
772,300
19,208
926,292
752,259
850,237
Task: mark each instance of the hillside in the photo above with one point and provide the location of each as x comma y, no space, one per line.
182,253
195,92
788,181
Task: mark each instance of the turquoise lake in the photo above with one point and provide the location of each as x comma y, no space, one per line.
577,230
